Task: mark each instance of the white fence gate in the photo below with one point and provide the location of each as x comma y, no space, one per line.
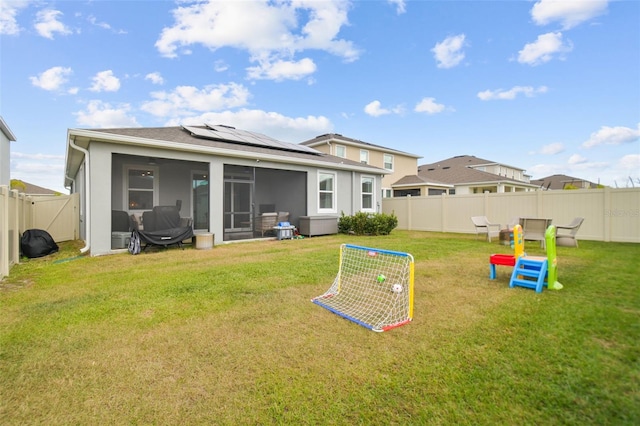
59,215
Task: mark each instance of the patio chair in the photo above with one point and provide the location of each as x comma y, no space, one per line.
163,226
265,222
483,226
566,234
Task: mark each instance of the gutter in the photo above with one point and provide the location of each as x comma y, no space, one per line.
87,243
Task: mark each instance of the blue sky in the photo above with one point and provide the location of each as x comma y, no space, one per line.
548,86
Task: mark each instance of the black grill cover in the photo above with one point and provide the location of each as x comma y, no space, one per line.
37,243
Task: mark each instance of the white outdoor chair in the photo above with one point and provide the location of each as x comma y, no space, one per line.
483,226
566,234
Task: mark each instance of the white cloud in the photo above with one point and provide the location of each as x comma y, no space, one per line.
429,105
52,79
448,53
552,149
613,136
45,170
220,66
47,23
375,109
577,159
276,125
280,70
105,81
272,32
630,162
155,78
100,114
568,13
528,91
544,49
8,13
401,7
189,100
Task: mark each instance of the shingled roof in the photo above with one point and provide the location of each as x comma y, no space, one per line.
185,138
460,170
561,181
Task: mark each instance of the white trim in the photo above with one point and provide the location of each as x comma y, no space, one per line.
393,161
366,152
371,209
334,192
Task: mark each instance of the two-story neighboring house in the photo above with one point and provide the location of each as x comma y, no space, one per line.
399,163
472,175
6,137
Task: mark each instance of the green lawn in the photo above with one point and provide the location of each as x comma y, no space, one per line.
229,336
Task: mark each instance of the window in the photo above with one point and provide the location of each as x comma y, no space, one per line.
341,151
364,156
388,161
326,192
141,187
387,193
367,193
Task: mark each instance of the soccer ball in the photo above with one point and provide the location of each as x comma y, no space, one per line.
381,278
396,288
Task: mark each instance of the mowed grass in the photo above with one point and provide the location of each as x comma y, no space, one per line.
229,336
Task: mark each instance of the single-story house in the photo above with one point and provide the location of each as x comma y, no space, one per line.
221,177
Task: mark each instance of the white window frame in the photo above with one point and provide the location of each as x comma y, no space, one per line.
125,184
344,149
372,194
384,161
333,192
364,156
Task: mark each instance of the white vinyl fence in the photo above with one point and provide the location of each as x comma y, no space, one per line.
58,215
610,214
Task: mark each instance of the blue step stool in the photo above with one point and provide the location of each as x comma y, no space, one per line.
529,272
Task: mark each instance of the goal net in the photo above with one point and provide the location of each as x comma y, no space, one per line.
373,288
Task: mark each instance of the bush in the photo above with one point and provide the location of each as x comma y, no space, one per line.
367,223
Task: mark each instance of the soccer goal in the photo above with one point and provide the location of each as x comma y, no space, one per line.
373,288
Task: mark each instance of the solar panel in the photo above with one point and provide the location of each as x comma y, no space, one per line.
231,134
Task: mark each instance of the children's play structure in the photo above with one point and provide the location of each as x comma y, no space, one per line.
532,272
373,288
517,243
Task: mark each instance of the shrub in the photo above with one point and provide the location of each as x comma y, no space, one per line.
367,223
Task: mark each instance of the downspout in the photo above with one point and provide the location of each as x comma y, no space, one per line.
87,221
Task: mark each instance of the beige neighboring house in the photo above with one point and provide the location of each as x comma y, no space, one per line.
398,163
6,137
465,174
555,182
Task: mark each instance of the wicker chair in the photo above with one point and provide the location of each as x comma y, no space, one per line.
483,226
265,222
566,234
